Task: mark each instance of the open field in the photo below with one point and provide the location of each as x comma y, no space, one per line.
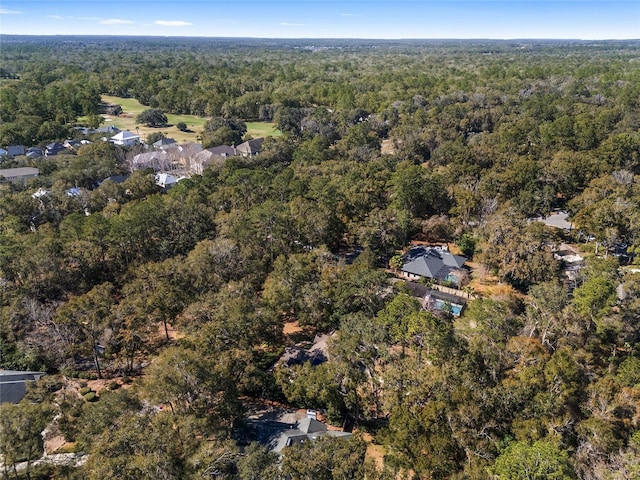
262,129
131,108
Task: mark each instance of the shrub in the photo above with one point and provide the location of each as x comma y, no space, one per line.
181,126
85,390
91,397
467,244
113,385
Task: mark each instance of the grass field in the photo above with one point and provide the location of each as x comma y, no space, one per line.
131,108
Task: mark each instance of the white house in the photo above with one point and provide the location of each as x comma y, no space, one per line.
125,138
165,180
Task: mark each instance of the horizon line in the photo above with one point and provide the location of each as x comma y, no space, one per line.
324,38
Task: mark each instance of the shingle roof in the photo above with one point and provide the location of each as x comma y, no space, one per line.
251,147
164,141
15,150
223,151
431,262
18,172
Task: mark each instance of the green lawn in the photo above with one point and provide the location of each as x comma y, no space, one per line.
131,108
262,129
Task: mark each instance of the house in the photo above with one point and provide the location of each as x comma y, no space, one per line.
16,150
163,142
3,152
435,263
305,430
35,152
224,151
85,130
317,353
114,179
72,144
182,155
250,147
13,384
572,261
166,180
20,174
211,157
125,138
53,149
110,129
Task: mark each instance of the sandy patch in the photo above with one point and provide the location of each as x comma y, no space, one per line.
291,328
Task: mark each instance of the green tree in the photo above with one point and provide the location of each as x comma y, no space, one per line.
86,318
139,445
325,458
21,440
258,463
543,460
152,117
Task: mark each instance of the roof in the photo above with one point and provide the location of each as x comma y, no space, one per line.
54,148
15,150
164,141
124,135
84,130
310,425
418,290
9,173
223,151
108,129
431,262
251,146
307,429
115,179
13,384
165,180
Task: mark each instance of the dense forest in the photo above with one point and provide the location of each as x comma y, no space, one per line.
178,300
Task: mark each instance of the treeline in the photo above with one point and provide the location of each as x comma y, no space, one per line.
476,139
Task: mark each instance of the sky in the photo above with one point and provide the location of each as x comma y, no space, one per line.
377,19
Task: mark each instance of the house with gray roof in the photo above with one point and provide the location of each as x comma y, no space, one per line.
250,147
53,149
224,151
35,152
16,150
305,430
163,142
21,174
13,384
435,263
108,129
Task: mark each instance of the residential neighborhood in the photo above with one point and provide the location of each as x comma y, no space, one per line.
327,259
